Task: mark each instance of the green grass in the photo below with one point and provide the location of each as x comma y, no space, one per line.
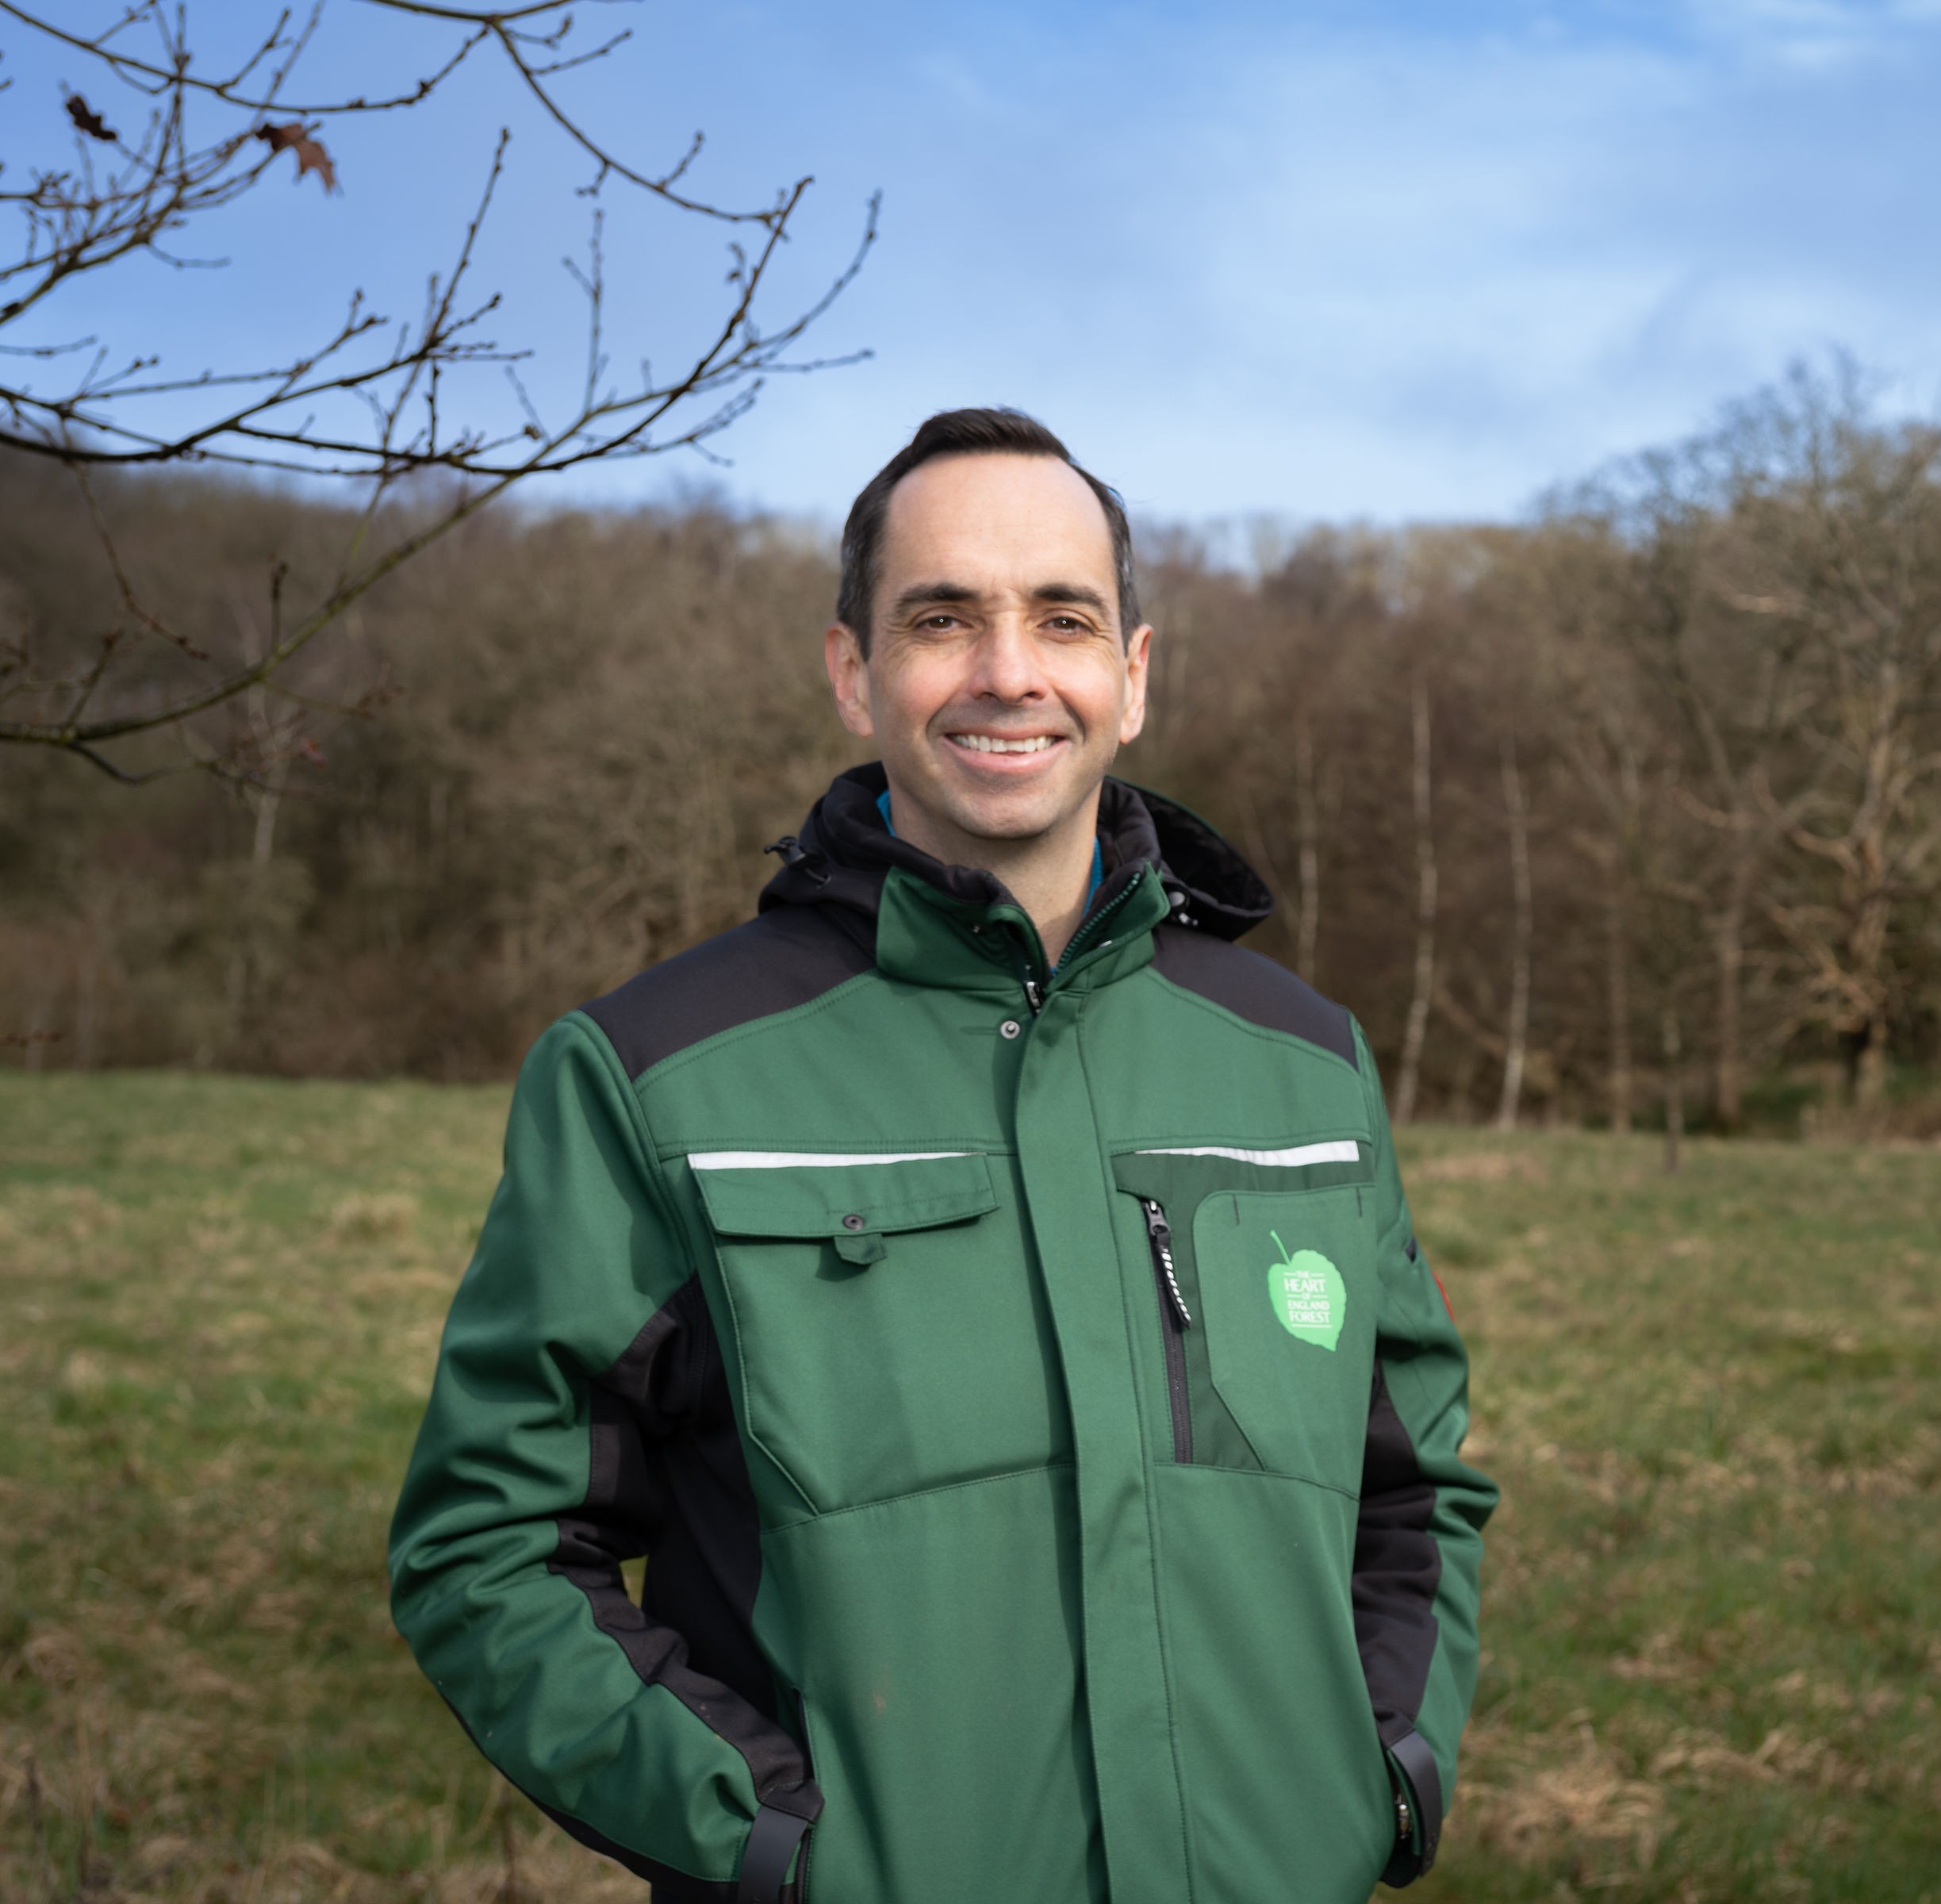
1713,1601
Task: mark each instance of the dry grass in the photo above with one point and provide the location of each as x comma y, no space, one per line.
1711,1661
1712,1657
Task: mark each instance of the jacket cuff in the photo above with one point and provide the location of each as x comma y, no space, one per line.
780,1828
1418,1784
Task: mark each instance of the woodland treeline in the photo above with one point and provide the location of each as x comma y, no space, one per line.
1642,792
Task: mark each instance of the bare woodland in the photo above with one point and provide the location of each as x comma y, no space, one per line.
1597,817
325,747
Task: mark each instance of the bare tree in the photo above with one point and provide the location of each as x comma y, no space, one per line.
1319,605
427,419
1671,1044
1604,753
1416,1031
1516,1036
1576,572
1847,544
1307,832
1725,691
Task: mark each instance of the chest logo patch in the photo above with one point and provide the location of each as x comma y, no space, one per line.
1309,1298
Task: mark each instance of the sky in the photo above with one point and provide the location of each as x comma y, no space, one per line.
1313,261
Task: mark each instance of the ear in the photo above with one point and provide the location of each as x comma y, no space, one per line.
1138,651
849,677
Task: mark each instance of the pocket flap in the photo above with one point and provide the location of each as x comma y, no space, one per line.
774,1193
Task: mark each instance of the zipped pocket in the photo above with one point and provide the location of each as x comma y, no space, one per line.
1197,1426
1260,1267
1175,1320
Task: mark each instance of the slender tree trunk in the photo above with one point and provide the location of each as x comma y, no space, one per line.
1417,1032
1307,825
1868,952
263,848
1729,951
1870,1067
1516,1035
39,1014
1267,863
1674,1089
246,957
267,796
84,990
1617,969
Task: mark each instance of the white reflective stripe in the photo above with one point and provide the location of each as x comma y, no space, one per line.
809,1159
1344,1150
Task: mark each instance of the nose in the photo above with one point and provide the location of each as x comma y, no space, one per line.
1008,663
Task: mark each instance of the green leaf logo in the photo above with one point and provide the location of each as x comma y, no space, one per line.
1310,1299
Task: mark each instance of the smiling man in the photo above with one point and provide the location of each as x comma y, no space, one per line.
985,1294
986,640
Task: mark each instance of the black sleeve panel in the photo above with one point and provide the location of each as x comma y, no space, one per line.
707,1555
656,1414
788,956
1252,988
1397,1564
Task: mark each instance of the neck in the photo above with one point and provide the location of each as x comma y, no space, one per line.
1049,873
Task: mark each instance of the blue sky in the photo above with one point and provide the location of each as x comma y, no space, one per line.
1314,260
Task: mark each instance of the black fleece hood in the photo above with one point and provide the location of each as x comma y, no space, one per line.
843,851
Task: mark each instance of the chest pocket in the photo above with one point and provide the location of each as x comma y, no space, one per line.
887,1336
1275,1265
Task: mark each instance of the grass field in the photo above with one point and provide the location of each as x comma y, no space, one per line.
1713,1602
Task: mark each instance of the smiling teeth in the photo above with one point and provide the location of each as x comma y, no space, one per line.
983,743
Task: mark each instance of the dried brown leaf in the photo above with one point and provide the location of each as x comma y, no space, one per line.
86,120
294,136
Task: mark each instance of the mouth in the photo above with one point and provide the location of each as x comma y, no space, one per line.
1005,743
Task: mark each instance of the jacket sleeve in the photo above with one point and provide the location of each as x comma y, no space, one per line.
1418,1543
529,1485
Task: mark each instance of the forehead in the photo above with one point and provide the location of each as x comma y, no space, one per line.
996,521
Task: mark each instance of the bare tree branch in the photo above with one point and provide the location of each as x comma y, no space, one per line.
383,404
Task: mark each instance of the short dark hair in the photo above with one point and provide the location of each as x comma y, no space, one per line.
1001,432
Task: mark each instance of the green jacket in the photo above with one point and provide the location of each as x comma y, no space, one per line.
1042,1425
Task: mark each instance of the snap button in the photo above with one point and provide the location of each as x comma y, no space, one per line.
852,1221
1009,1028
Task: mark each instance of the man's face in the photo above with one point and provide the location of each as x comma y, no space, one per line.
999,684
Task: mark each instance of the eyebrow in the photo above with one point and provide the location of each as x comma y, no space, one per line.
1075,592
924,593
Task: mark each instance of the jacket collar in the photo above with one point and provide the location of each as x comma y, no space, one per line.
845,859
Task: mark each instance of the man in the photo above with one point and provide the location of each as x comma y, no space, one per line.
985,1295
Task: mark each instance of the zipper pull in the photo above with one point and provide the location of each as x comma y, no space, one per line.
1033,997
1160,1231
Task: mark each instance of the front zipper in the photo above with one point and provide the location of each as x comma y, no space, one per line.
1088,927
1020,952
1174,1321
1034,990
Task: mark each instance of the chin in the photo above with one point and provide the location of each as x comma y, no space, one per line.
1006,820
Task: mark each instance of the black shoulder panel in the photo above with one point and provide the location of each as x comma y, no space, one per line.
786,957
1252,988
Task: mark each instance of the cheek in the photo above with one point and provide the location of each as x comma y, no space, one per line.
1096,694
910,693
